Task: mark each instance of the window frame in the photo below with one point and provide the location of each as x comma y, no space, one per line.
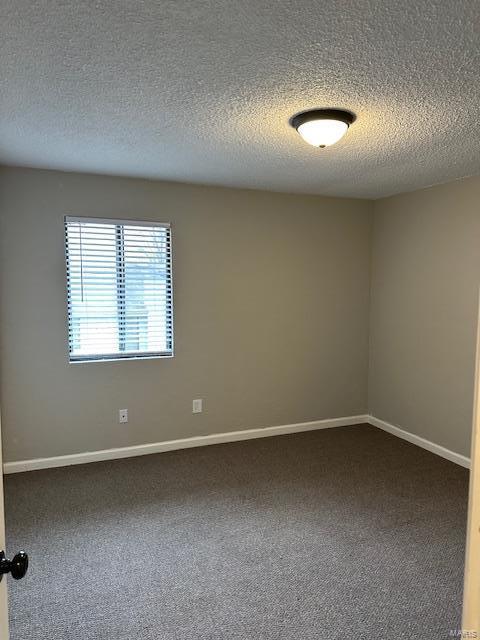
116,356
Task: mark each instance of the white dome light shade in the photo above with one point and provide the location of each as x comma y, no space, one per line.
322,133
322,127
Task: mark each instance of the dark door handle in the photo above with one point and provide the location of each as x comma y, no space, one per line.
16,567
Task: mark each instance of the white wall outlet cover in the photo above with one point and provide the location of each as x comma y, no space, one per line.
123,416
197,406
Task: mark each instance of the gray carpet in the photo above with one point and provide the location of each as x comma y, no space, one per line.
340,533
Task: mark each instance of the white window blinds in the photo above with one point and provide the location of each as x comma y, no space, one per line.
119,286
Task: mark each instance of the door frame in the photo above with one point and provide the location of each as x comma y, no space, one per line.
3,584
471,594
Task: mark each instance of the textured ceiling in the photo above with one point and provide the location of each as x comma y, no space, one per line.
201,90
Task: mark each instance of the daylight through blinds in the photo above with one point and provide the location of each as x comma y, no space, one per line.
119,281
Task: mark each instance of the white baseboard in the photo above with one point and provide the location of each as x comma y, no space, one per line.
171,445
231,436
420,442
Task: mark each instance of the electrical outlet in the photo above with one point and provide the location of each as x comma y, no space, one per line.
197,406
123,416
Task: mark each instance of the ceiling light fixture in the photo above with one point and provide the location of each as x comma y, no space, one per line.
322,127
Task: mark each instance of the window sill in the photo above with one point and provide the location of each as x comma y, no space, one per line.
125,359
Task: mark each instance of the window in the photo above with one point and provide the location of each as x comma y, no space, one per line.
119,286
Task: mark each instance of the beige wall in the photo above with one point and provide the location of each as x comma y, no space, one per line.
425,278
271,314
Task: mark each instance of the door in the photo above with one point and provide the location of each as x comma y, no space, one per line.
17,567
471,598
3,583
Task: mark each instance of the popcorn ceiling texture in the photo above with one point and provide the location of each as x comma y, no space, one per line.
202,91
